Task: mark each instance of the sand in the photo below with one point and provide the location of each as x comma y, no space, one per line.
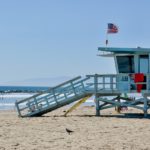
90,133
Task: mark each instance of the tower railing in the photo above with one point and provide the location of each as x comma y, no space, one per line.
123,83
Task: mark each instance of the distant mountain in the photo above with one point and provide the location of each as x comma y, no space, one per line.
49,82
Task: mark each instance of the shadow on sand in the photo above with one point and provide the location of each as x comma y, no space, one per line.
125,116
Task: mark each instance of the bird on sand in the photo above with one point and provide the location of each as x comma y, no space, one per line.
69,131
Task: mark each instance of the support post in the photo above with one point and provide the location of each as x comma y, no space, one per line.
145,106
97,106
96,95
118,107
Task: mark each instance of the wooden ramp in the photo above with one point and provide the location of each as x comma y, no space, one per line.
52,99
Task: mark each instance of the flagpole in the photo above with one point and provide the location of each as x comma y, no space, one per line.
106,42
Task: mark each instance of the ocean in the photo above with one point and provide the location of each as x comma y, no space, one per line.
9,94
16,89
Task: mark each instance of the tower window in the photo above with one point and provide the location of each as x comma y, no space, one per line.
125,64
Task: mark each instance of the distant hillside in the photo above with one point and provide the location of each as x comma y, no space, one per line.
38,81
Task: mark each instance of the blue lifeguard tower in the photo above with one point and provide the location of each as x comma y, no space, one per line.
133,76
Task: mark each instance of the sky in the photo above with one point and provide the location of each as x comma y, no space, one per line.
49,38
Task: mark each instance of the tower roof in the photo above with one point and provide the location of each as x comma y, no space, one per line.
116,50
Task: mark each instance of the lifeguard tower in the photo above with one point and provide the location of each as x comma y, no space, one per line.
132,66
133,75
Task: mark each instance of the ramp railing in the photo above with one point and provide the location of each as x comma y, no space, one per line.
54,98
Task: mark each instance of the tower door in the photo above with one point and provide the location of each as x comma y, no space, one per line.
144,67
144,64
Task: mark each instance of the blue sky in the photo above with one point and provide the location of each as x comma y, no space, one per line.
48,38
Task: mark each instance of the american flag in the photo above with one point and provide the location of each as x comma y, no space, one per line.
112,28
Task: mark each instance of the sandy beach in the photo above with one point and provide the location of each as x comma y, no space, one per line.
115,132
